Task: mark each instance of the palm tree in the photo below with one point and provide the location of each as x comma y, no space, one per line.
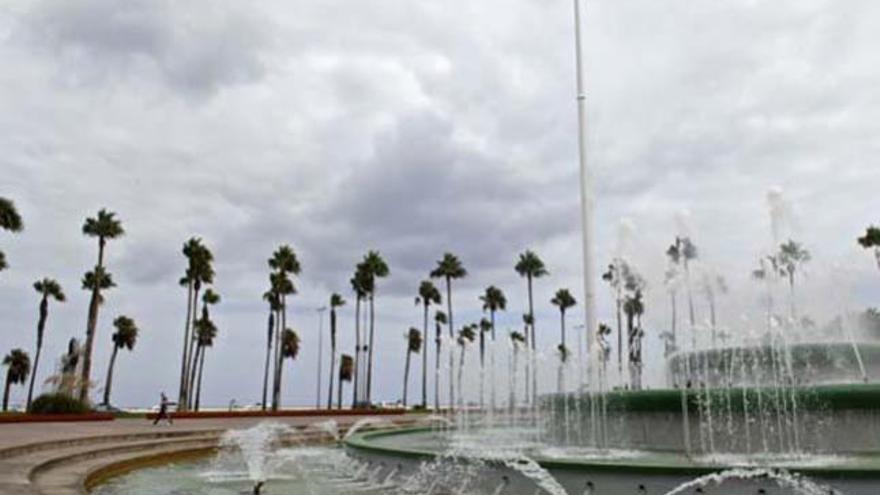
47,288
105,226
428,294
871,240
615,280
274,301
336,301
531,267
493,301
9,220
289,348
791,256
205,332
466,335
413,345
449,268
361,285
439,321
285,263
199,272
19,364
375,267
125,337
346,370
563,300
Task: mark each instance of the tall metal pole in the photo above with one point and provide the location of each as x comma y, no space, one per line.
320,351
586,193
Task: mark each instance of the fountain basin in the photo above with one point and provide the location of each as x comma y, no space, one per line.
403,453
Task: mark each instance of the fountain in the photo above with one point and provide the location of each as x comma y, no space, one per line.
779,407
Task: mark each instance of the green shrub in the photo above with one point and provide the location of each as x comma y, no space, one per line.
58,404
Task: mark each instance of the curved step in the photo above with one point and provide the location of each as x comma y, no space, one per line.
71,477
24,449
55,461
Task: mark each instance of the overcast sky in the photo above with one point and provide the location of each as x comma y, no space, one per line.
416,127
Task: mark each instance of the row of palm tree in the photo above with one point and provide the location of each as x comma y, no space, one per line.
104,227
200,330
284,265
450,268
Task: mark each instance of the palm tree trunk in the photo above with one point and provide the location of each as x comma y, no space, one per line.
332,357
513,372
562,315
6,392
451,336
630,336
438,342
280,375
406,375
339,395
181,397
791,291
619,304
482,368
276,356
199,382
34,375
370,355
187,382
492,363
279,361
270,337
41,327
674,318
194,368
425,360
91,325
357,351
108,384
534,345
460,369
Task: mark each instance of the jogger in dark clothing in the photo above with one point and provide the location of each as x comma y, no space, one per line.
163,411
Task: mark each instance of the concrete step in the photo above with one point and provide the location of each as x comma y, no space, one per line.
24,449
72,475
